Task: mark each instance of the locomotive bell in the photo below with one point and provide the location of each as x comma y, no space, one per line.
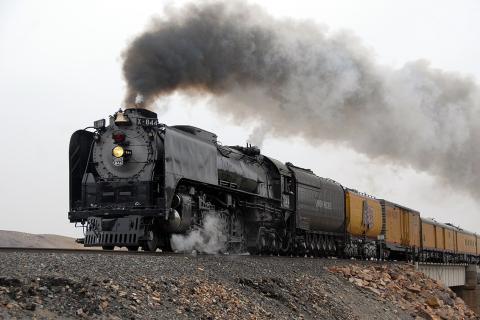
121,118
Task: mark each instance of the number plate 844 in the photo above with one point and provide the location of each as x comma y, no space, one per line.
117,162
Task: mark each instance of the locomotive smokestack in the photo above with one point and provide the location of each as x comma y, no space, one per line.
297,78
139,101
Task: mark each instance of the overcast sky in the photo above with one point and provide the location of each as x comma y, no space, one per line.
60,69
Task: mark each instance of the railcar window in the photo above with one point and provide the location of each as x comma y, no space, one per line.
287,185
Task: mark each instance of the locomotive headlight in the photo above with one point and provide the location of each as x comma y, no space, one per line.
118,152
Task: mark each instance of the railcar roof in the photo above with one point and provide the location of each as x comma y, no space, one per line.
435,222
458,229
363,194
309,177
398,205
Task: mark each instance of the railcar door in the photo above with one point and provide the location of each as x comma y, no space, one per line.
414,229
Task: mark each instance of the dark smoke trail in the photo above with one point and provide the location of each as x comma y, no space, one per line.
298,79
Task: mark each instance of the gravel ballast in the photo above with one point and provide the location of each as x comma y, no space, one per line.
110,286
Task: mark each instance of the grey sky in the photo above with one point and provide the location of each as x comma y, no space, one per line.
60,69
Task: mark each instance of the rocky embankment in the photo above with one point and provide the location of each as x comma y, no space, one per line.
412,291
109,286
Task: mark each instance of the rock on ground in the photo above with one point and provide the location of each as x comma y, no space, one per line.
412,291
78,286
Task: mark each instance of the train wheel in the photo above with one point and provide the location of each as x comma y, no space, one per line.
285,245
132,248
262,244
317,246
273,245
152,243
310,244
334,247
237,233
302,248
323,244
109,248
165,244
386,255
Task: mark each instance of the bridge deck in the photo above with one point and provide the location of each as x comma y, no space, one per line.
451,275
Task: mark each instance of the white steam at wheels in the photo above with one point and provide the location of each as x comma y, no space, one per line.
208,238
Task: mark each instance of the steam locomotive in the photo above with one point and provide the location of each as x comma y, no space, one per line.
135,182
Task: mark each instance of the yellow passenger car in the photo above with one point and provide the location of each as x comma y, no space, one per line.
438,236
438,240
363,215
478,244
466,242
401,228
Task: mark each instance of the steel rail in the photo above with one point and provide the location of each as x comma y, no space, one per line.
85,251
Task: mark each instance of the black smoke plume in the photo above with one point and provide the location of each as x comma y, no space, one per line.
297,78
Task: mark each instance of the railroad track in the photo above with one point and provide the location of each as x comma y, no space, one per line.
159,253
85,251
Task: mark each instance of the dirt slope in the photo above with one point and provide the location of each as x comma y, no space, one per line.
108,286
28,240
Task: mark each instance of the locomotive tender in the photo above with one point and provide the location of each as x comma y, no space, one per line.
134,182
